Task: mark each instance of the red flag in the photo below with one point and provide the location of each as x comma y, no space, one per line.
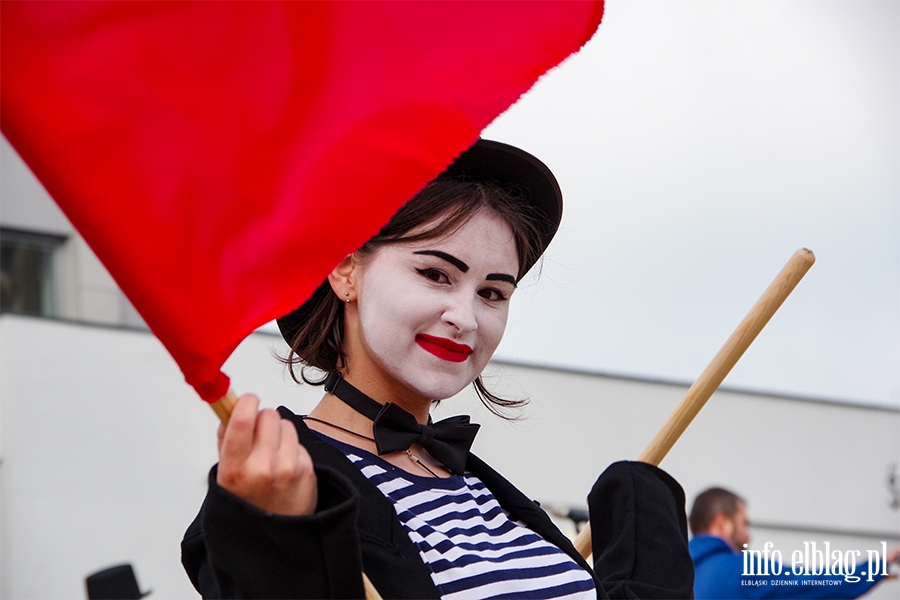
221,157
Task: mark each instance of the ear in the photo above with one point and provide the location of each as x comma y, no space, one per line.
721,525
343,279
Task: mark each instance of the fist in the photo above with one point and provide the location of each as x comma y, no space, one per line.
262,462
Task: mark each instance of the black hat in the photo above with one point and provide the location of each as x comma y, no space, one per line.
515,169
489,161
114,583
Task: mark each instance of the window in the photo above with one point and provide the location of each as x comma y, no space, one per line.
27,272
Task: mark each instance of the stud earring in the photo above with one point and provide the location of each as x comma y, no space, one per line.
348,299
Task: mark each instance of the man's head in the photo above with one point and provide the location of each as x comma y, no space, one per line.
723,514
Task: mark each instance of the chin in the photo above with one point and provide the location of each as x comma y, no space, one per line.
430,377
438,386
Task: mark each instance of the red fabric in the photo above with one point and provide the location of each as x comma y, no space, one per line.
221,157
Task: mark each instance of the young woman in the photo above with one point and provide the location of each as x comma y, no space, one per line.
299,506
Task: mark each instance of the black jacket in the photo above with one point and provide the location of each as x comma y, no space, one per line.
234,550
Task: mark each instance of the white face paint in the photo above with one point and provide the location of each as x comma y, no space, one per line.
431,313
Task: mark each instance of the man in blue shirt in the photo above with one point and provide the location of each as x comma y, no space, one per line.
725,567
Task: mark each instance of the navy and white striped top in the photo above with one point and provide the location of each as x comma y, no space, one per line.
466,538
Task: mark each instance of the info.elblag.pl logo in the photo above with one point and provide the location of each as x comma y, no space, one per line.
816,562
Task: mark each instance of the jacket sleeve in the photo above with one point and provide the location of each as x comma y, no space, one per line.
639,532
235,550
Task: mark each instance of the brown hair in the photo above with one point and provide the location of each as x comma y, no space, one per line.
710,503
442,207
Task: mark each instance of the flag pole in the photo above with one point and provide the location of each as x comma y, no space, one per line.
223,407
712,376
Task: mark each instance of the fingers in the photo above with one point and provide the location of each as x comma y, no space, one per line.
289,446
266,435
272,454
301,472
237,441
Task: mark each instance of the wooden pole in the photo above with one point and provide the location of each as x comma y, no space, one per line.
223,407
712,376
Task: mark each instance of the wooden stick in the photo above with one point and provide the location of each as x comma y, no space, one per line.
371,592
712,376
223,407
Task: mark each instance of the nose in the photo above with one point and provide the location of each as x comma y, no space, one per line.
460,314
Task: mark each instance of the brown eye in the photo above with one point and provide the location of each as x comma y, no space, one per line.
434,275
492,294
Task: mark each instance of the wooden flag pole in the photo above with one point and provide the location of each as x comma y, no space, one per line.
223,407
712,376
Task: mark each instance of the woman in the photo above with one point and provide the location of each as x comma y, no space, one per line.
409,319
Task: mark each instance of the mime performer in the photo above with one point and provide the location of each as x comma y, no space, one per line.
300,505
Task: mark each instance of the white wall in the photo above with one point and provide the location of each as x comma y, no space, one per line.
105,452
24,203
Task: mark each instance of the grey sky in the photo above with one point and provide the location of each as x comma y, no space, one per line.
699,144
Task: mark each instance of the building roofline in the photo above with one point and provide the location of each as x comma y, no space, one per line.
870,405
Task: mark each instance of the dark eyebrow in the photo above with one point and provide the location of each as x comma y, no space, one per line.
448,257
502,277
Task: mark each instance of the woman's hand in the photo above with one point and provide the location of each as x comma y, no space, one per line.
261,461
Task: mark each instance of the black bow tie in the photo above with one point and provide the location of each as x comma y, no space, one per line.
448,440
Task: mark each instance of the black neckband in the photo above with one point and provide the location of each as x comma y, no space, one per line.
352,397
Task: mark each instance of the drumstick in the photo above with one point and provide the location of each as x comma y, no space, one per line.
223,407
712,376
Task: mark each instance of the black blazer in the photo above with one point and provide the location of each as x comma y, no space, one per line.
234,550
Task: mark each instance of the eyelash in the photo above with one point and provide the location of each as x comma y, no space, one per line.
436,275
501,297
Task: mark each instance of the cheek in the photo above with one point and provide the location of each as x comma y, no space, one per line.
382,321
492,327
389,315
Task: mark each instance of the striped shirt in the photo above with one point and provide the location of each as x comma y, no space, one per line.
470,545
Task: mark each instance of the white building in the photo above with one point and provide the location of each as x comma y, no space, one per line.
104,450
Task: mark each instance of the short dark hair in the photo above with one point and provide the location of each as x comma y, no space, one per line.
710,503
442,207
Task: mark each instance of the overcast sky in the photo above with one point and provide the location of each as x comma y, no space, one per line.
698,145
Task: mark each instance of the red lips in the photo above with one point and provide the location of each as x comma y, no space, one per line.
444,348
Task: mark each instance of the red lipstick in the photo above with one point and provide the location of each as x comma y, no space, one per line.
444,348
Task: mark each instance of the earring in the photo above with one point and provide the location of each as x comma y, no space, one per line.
348,299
